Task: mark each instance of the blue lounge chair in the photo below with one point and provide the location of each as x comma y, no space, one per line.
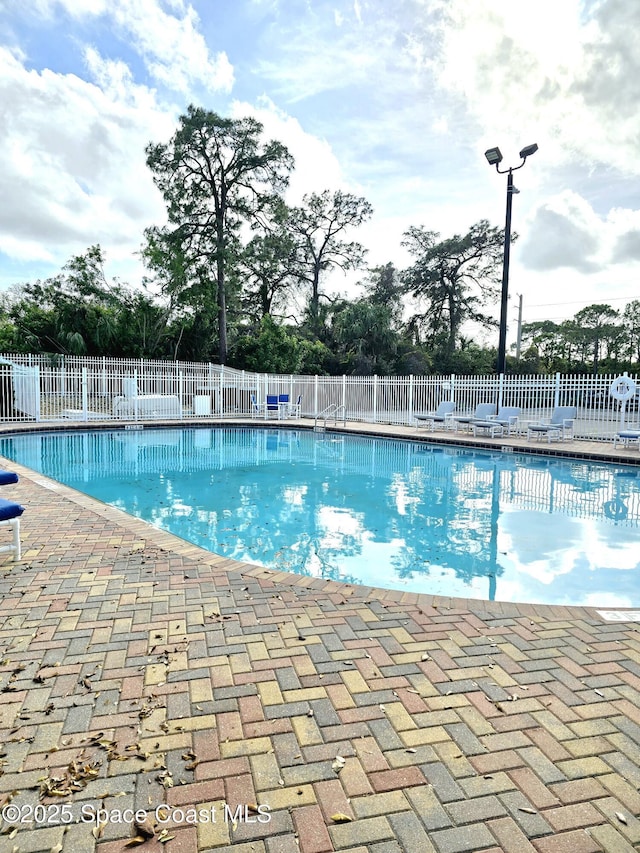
272,406
559,426
10,513
482,412
627,437
442,415
506,419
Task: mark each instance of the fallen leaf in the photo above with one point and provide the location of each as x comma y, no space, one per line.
339,817
144,828
621,817
527,810
98,829
338,764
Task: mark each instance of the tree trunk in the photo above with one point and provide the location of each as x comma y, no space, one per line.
222,312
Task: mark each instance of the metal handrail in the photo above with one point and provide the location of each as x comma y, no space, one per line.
331,411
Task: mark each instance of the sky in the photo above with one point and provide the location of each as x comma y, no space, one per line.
394,101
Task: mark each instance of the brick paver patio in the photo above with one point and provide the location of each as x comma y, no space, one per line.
275,714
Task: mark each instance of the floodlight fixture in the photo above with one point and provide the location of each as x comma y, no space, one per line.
494,156
528,151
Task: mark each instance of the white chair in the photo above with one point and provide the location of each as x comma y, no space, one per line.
506,419
559,426
10,513
482,412
257,409
627,437
295,409
442,415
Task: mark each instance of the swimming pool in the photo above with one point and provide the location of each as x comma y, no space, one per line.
388,513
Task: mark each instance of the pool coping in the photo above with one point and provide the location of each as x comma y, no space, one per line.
169,541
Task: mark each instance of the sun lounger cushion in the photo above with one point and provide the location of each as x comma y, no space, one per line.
7,477
9,510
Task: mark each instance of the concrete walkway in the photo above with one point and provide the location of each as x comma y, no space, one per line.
269,713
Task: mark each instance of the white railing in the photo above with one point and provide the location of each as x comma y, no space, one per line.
89,389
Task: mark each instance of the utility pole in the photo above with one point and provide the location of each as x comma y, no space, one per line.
519,337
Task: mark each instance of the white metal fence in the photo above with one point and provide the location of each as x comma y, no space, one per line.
32,388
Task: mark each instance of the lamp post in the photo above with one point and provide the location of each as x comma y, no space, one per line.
494,158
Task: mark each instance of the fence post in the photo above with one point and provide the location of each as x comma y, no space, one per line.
410,399
344,396
556,391
500,389
452,386
315,401
38,370
181,390
221,397
85,395
375,398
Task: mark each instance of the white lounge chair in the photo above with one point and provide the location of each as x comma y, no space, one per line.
10,513
506,419
482,412
294,409
257,409
442,415
627,437
133,405
559,426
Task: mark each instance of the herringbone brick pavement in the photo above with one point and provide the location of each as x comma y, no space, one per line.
247,710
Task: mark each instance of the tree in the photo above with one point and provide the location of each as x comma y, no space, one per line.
455,278
631,323
545,342
318,227
215,174
267,267
362,331
274,349
384,287
597,323
73,312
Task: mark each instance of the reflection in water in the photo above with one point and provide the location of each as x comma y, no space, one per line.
378,512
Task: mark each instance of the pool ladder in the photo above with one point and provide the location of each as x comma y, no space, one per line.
331,412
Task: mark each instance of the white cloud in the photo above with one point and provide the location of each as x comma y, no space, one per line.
316,166
546,73
75,170
175,53
565,232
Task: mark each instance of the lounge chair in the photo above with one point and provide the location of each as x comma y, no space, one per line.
8,477
482,412
442,415
256,407
506,419
294,409
272,406
130,404
627,437
10,513
559,426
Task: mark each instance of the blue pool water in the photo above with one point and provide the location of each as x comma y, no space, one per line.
397,514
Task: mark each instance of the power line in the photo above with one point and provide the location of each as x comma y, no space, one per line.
579,301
